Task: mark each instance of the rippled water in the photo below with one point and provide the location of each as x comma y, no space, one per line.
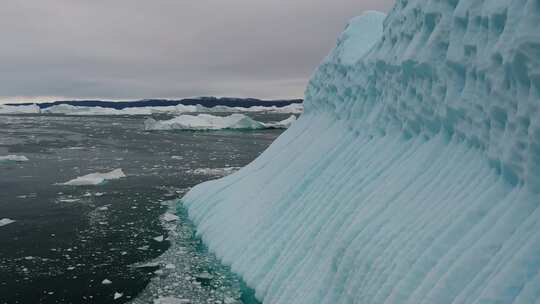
68,241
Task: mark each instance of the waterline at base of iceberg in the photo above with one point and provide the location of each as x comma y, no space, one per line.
187,272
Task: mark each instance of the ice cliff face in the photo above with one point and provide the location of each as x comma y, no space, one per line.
412,177
470,69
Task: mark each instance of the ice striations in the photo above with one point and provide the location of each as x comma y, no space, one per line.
412,177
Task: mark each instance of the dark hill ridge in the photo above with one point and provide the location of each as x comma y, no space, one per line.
208,102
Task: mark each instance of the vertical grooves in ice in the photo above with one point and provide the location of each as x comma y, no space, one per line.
413,175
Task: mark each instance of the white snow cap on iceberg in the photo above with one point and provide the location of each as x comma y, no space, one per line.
356,41
211,122
95,178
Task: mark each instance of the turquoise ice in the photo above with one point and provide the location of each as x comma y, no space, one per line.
413,175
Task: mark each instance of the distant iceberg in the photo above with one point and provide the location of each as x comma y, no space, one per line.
65,109
284,124
22,109
95,178
413,175
100,111
211,122
13,158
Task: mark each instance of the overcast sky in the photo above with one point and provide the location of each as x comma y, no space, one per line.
132,49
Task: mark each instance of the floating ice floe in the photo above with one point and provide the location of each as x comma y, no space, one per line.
95,178
106,282
159,238
69,200
13,158
118,295
211,122
6,221
169,217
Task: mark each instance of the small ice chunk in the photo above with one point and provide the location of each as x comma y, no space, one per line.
13,158
169,217
204,277
159,238
106,282
151,265
6,221
118,295
68,200
170,266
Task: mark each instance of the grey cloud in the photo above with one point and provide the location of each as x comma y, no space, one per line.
165,48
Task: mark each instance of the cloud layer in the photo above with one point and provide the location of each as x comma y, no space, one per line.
130,49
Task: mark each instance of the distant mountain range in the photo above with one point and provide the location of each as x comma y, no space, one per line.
208,102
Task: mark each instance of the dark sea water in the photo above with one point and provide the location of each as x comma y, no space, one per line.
67,240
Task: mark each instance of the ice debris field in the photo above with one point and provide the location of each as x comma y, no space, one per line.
211,122
413,175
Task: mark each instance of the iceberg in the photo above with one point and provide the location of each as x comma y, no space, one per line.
13,158
210,122
284,124
65,109
94,179
22,109
413,175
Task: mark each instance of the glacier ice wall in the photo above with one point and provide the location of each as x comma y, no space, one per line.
412,177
